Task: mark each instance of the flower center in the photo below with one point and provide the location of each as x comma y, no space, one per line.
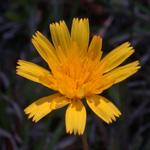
76,74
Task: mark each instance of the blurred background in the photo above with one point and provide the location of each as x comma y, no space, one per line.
116,21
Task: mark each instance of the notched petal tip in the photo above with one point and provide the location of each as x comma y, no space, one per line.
75,19
34,38
20,62
138,64
53,25
38,33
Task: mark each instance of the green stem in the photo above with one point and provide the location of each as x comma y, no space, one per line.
84,141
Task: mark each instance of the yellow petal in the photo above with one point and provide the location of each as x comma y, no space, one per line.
41,107
81,92
75,117
34,72
80,34
102,107
123,72
60,36
95,47
117,56
45,48
59,102
106,83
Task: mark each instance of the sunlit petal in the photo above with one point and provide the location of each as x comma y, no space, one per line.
41,107
117,56
95,47
75,117
35,73
102,107
45,48
60,36
59,102
123,72
80,34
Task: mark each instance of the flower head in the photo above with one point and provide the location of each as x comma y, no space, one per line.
77,71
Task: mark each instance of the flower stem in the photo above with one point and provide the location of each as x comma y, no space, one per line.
84,141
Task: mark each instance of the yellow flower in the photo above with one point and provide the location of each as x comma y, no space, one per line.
77,73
